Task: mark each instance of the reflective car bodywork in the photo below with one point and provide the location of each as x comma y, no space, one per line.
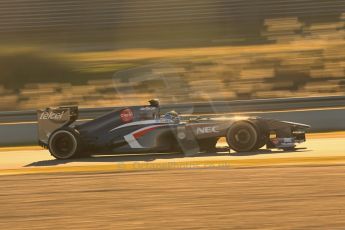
142,129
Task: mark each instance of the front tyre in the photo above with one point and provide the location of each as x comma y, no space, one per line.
242,136
263,134
64,144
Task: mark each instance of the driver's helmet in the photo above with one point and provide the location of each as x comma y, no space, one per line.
173,116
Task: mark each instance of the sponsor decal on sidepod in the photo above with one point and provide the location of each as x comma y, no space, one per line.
205,130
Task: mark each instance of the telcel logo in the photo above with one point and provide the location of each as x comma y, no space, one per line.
51,116
205,130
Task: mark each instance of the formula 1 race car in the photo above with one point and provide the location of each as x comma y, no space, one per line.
142,129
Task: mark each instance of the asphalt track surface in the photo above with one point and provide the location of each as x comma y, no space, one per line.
324,148
262,190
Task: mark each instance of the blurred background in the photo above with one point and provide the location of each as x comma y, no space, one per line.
116,52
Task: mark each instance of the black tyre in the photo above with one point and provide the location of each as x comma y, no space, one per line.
243,137
64,144
263,134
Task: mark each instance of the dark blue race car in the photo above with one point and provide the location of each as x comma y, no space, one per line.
143,129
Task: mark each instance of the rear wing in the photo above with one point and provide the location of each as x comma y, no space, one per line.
51,119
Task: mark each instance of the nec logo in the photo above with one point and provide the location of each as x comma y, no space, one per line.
205,130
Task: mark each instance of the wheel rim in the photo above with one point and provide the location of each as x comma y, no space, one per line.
63,144
242,136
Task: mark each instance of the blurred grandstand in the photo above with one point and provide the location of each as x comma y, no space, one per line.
111,52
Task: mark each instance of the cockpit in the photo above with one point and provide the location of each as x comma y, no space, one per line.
171,116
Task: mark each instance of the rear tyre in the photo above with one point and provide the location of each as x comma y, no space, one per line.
65,144
243,137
